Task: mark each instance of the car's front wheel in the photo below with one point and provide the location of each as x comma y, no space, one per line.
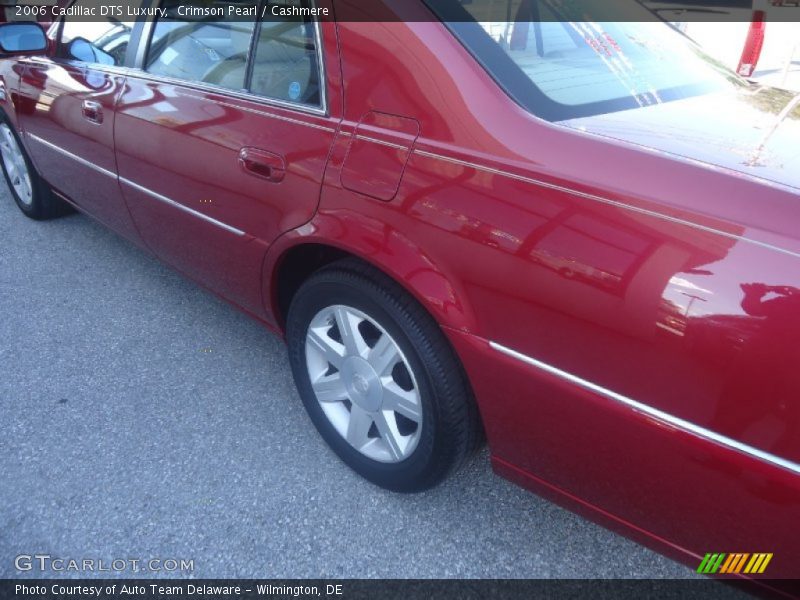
30,192
379,379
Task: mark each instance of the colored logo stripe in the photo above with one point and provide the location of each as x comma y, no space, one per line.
758,563
710,563
734,563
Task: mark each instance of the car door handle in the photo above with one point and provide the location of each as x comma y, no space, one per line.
267,165
92,111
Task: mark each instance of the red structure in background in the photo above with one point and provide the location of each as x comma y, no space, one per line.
753,44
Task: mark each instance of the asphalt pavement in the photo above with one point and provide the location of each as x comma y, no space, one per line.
142,418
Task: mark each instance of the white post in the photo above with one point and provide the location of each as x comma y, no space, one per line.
788,64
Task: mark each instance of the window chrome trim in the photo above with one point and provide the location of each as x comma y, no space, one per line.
74,157
227,92
60,61
655,413
140,72
183,207
120,70
143,42
280,117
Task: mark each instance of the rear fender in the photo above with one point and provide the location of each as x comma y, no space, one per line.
384,248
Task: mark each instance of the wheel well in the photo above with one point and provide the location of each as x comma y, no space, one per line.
299,263
296,266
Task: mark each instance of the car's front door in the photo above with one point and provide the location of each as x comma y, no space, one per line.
222,138
66,108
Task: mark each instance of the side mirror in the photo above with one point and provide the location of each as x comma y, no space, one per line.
22,38
85,51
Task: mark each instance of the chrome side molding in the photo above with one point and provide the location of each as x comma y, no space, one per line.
179,206
650,411
74,157
136,186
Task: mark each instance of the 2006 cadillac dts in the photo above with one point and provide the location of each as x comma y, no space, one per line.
580,238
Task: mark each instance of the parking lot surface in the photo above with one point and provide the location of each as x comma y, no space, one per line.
144,418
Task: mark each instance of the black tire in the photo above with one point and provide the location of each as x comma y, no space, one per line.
450,428
44,204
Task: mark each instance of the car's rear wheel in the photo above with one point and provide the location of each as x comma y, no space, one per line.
379,379
30,192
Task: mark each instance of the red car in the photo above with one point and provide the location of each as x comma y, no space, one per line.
579,239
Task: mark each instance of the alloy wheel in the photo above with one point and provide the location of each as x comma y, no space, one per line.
364,384
16,166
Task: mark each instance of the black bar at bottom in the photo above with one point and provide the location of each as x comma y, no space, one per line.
405,589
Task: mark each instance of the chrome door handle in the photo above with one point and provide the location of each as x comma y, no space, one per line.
267,165
92,111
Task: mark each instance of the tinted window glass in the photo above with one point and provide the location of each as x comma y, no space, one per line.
286,66
102,42
203,49
560,68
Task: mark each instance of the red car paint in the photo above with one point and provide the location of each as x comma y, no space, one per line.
623,291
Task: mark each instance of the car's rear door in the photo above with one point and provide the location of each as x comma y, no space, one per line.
66,112
223,132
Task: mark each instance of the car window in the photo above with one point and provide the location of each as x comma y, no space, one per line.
200,48
582,63
562,68
102,42
286,65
